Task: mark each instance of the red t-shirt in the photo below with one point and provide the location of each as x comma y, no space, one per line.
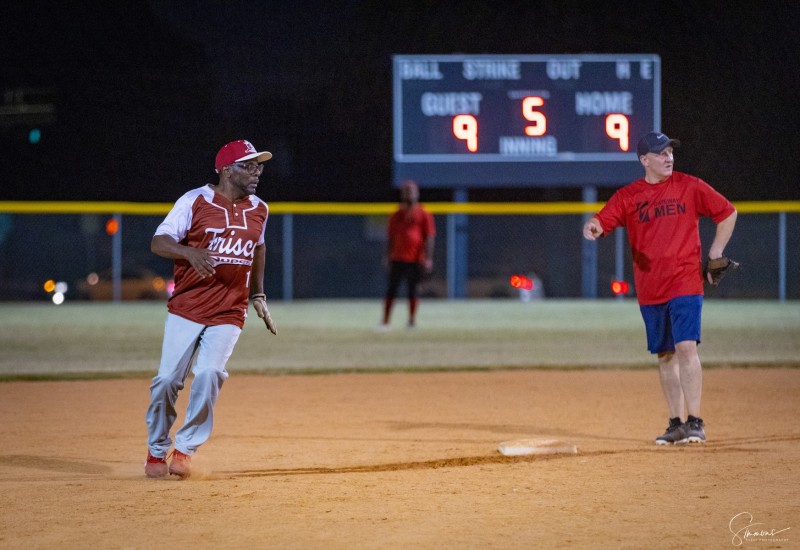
204,219
663,220
407,229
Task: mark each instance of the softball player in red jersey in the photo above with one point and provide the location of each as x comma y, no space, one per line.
662,213
411,234
215,234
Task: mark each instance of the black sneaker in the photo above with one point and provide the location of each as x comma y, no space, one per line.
695,432
676,433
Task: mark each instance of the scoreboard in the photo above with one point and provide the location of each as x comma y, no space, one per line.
522,120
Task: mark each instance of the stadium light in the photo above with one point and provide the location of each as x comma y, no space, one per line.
619,287
521,282
112,226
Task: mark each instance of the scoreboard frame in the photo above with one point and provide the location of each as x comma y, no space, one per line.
560,120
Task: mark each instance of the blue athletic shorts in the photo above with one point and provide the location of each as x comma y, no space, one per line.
675,321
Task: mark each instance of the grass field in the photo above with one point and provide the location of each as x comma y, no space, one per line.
110,340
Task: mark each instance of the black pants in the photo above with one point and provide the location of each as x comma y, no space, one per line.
410,272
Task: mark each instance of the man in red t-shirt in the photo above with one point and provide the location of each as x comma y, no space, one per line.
411,235
215,234
661,213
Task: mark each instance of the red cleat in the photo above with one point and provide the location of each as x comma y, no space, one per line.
180,465
155,466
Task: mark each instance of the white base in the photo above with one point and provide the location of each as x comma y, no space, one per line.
519,447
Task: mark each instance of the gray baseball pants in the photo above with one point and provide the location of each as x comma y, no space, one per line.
187,343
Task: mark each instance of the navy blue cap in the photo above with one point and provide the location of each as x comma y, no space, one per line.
655,142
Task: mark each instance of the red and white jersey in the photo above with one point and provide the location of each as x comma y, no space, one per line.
662,220
203,218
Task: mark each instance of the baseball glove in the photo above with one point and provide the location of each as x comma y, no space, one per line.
717,268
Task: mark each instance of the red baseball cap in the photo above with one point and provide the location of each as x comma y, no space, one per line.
237,151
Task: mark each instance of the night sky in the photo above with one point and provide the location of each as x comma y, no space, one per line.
146,92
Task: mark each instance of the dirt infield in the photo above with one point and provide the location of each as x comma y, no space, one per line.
408,460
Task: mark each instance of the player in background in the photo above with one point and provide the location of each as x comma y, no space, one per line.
411,236
215,234
661,213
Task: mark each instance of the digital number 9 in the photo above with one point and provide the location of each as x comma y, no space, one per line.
617,128
466,127
539,126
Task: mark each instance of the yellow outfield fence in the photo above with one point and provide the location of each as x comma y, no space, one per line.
335,249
